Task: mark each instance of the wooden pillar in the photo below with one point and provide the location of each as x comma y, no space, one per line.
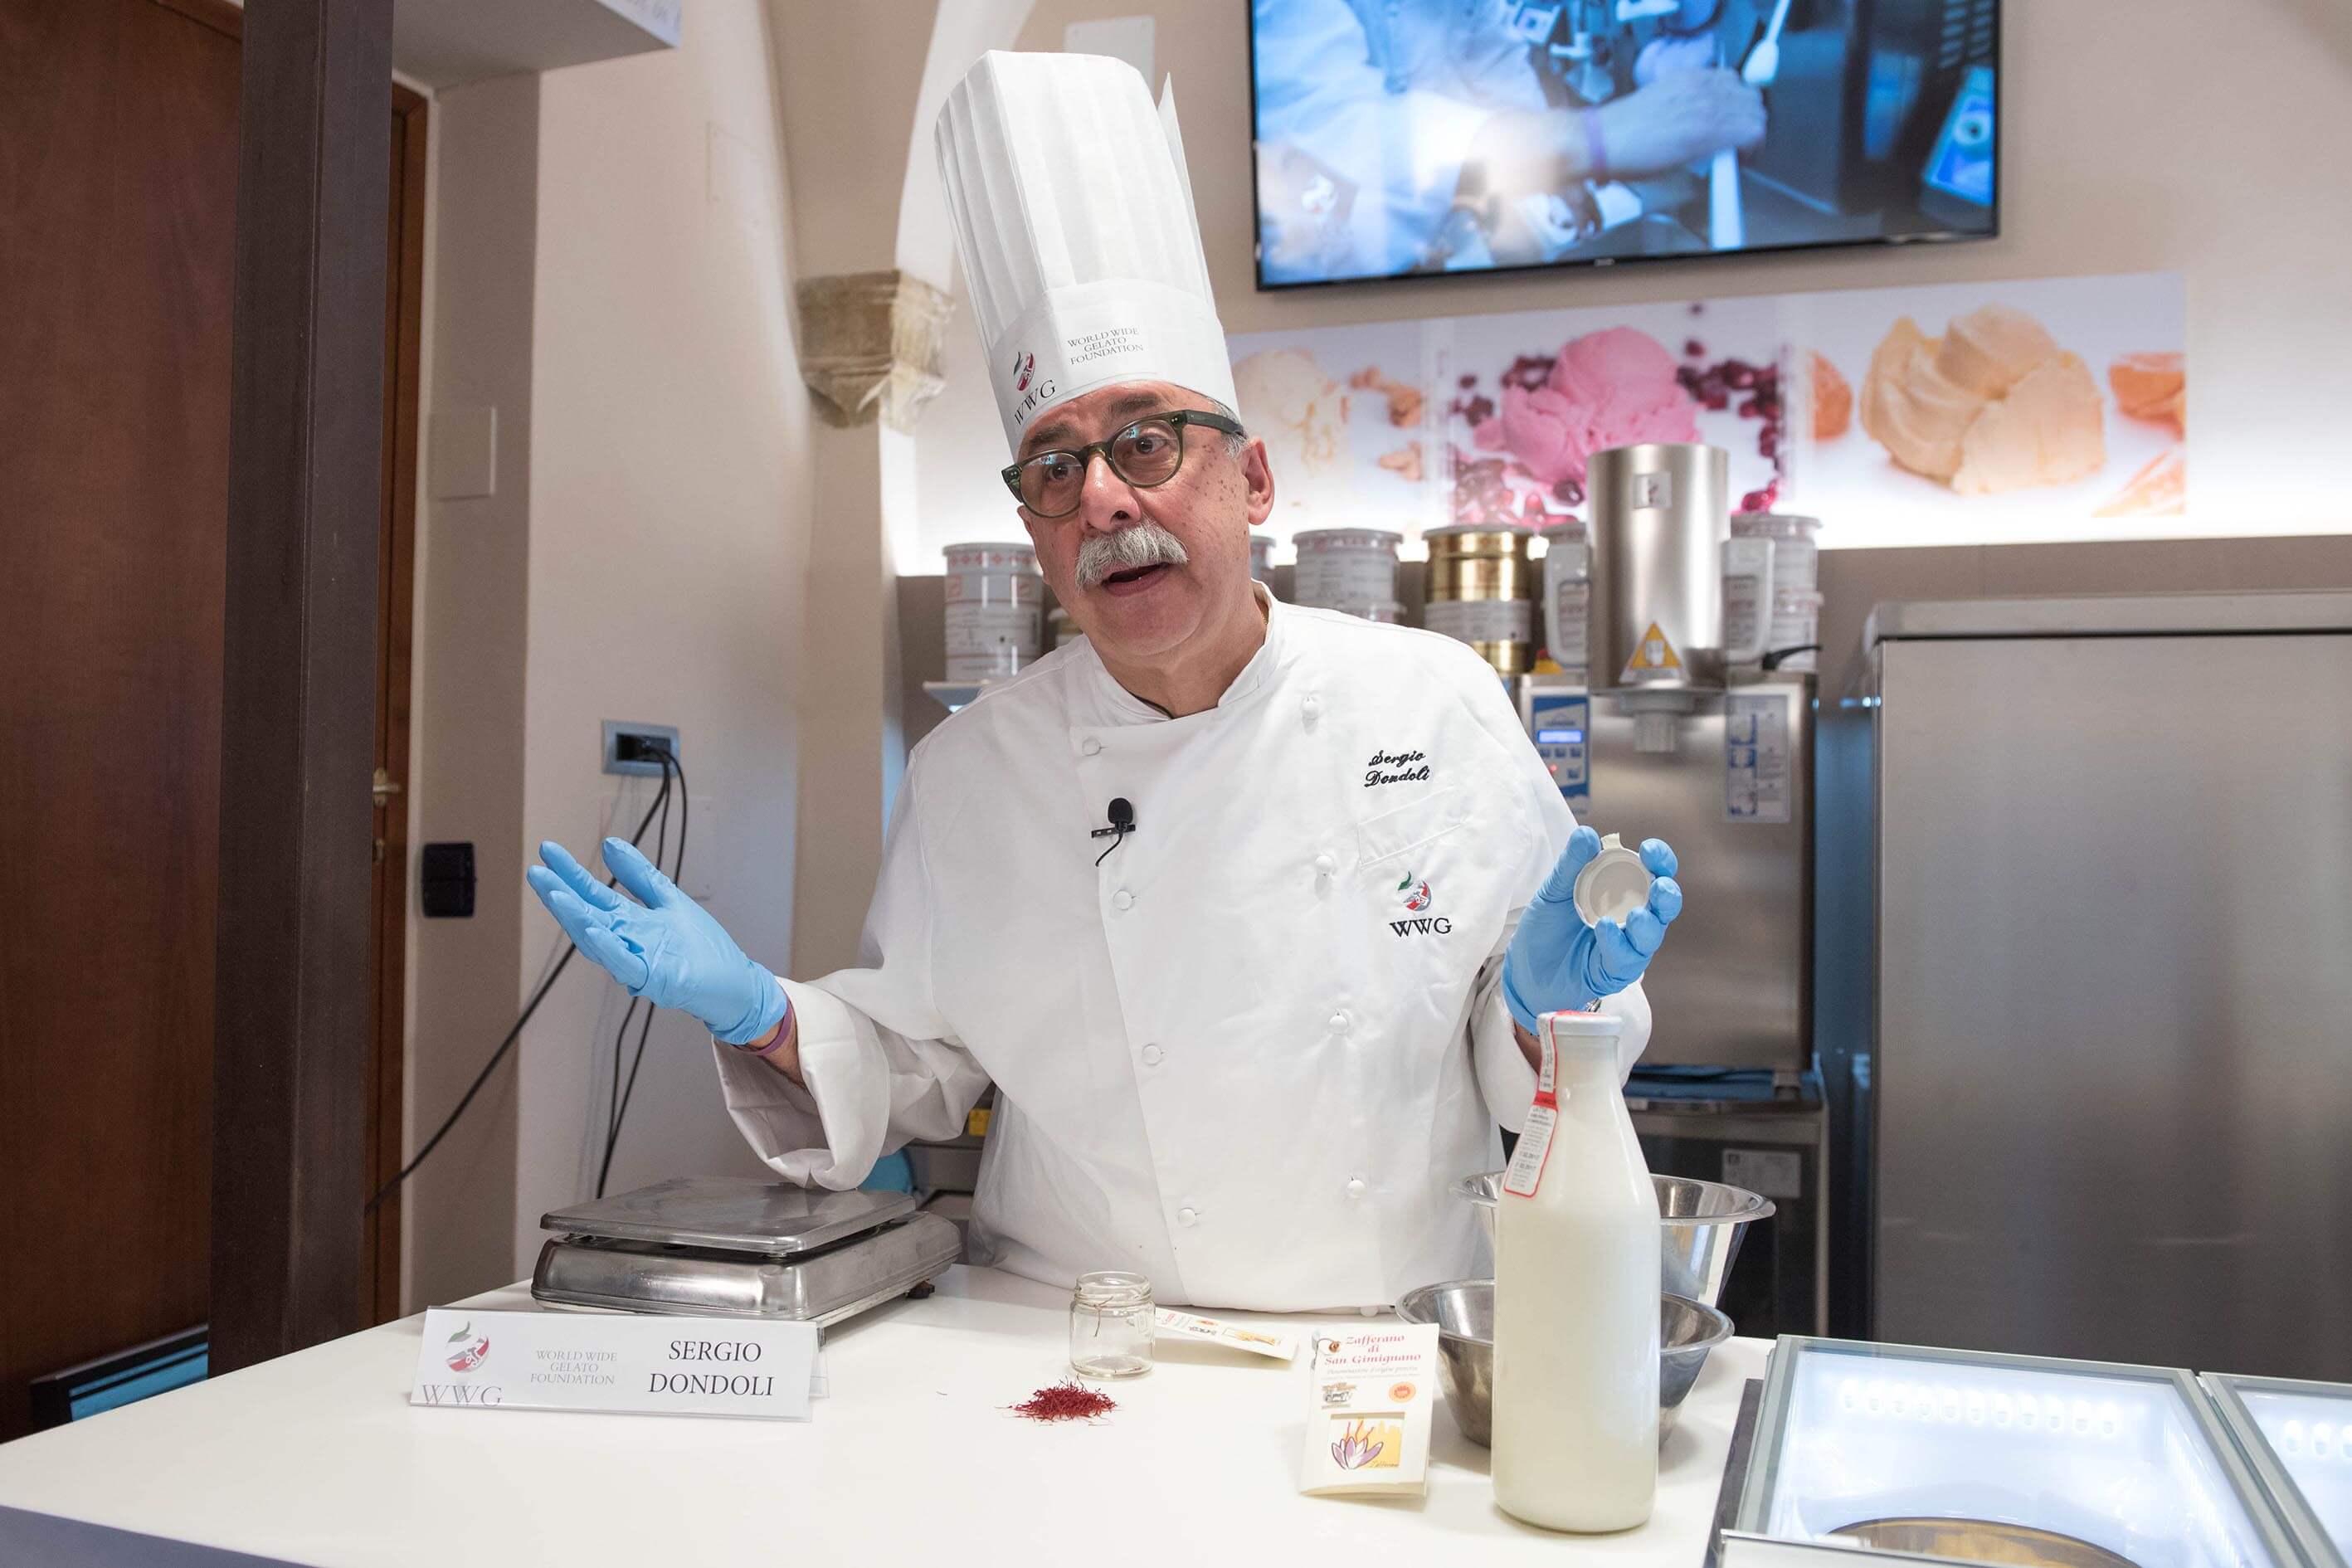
297,725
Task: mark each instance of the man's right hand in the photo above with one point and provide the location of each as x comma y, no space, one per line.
1679,118
660,944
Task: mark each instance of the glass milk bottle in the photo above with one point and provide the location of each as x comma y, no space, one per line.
1576,1296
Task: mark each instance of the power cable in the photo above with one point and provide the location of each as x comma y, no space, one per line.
621,1110
613,1101
514,1034
621,1036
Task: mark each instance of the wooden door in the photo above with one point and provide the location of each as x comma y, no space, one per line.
396,582
117,231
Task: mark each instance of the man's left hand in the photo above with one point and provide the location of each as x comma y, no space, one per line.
1557,963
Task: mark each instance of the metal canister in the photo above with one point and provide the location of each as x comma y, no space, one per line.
993,598
1482,592
1660,511
1349,569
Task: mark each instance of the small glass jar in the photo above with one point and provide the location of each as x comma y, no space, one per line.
1110,1325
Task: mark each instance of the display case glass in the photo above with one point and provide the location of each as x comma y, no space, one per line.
2297,1436
1889,1446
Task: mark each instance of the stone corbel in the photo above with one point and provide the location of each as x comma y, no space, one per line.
870,345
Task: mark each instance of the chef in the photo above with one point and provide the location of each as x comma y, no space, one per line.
1248,910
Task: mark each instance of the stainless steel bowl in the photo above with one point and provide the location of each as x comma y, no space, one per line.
1463,1311
1704,1224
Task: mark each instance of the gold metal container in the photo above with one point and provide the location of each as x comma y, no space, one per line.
1481,577
1482,592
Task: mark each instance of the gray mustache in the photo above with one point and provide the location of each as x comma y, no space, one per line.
1143,544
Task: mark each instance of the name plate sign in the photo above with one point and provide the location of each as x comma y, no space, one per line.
615,1361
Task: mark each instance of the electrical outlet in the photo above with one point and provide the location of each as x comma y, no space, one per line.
625,747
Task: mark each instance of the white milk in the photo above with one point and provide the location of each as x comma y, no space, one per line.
1576,1297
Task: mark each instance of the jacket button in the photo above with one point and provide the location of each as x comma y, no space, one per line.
1356,1188
1090,746
1340,1023
1122,900
1325,865
1153,1056
1187,1217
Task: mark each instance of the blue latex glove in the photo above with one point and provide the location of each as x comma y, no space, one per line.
660,945
1557,963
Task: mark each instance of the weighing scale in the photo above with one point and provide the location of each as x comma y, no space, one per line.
723,1247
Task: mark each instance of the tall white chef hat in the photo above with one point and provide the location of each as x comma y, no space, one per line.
1073,215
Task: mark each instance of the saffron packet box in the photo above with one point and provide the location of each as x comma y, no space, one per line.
615,1361
1369,1401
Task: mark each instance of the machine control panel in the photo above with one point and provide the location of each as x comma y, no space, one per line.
1557,719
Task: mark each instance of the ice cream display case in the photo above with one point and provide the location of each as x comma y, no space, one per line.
2297,1438
1966,1455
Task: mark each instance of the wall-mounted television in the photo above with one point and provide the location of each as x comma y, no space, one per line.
1398,138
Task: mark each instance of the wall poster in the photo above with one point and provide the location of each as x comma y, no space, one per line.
1951,413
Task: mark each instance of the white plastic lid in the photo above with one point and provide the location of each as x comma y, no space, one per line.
1590,1026
1613,885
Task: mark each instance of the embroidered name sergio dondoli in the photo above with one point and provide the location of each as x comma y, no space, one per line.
1414,893
1402,762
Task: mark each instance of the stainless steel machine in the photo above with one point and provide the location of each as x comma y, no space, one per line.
2111,978
1675,740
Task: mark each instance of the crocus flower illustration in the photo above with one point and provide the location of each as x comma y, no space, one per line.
1357,1448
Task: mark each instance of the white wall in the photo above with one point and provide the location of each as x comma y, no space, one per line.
466,734
670,518
610,272
2156,136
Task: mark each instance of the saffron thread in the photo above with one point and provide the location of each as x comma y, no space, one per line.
1067,1401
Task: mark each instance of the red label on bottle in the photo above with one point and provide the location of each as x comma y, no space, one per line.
1526,1173
1534,1147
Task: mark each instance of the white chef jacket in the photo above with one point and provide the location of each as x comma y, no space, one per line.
1247,1053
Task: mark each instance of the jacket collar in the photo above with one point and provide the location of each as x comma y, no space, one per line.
1114,704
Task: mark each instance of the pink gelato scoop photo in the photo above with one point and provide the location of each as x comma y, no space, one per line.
1607,389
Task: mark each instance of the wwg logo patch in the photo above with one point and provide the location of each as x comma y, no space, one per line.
1415,894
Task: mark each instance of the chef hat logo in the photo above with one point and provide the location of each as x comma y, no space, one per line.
1023,366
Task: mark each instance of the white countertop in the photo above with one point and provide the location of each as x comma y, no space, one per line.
319,1458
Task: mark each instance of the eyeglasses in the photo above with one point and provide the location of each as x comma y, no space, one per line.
1145,454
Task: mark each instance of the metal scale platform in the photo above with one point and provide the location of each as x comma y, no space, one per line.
722,1246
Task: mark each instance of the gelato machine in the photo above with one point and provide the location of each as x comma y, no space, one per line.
1936,1455
2297,1436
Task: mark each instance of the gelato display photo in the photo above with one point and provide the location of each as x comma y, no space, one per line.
1396,137
1956,414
